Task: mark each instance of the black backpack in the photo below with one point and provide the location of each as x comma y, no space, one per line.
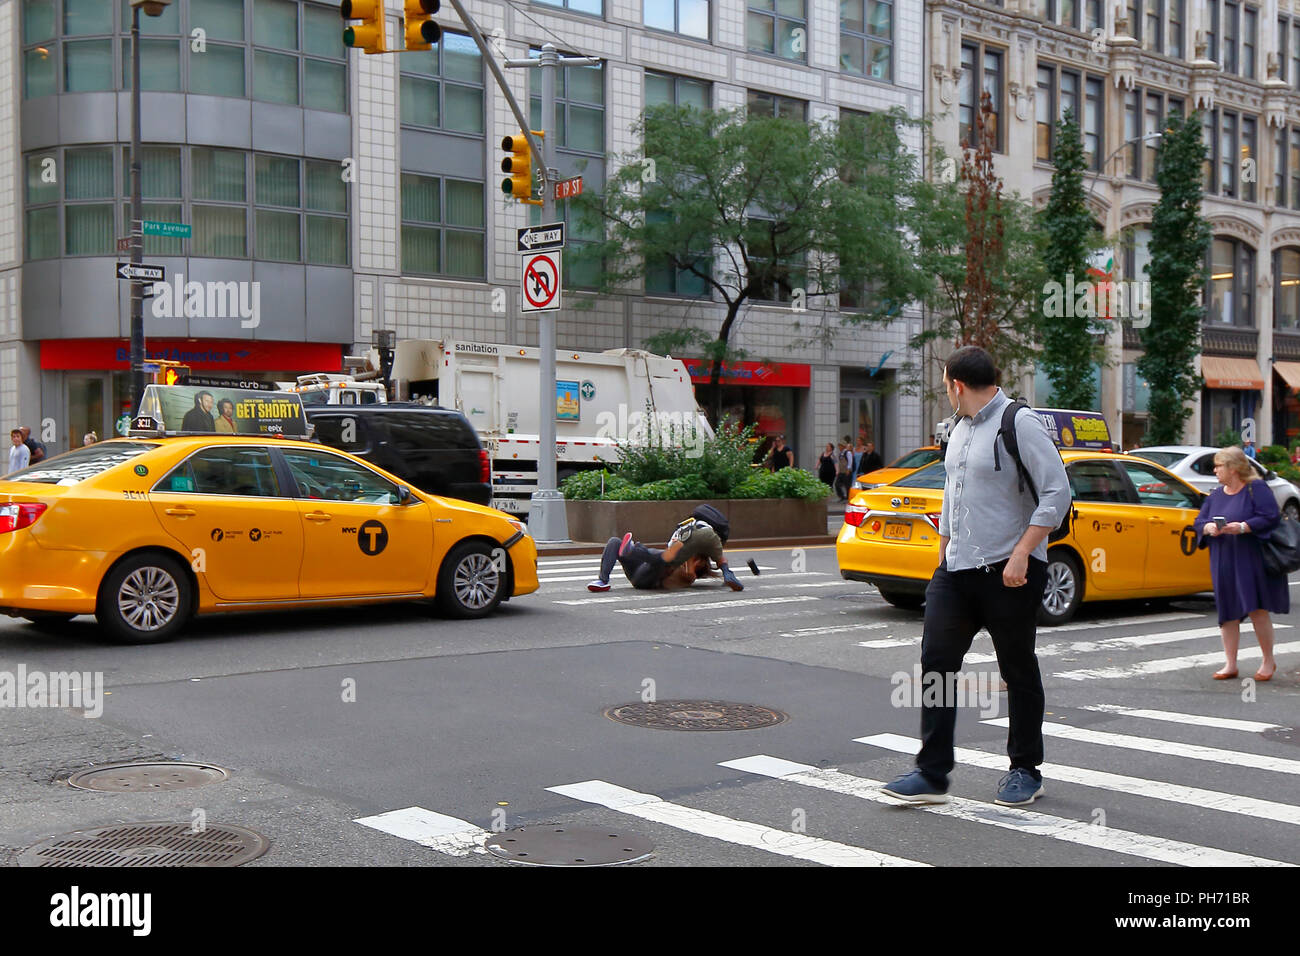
714,518
1007,432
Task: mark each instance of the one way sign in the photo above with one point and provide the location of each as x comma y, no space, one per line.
539,238
126,270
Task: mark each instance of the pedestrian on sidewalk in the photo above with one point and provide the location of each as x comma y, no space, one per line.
992,538
782,455
1231,522
870,460
36,449
20,455
826,465
843,469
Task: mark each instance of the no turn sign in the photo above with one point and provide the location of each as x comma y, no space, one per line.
540,277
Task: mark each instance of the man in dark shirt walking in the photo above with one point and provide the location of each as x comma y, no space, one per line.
991,574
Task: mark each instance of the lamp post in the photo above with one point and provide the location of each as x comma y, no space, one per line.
1096,176
153,8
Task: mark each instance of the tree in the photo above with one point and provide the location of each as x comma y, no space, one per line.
984,250
749,208
1180,237
1070,346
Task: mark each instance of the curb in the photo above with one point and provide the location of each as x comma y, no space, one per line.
567,548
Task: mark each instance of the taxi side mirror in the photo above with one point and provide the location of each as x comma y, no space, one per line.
403,495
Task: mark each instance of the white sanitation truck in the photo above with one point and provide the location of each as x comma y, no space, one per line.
601,398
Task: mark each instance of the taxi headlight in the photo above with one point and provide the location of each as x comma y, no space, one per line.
518,525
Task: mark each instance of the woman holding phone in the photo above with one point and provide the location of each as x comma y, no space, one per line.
1231,518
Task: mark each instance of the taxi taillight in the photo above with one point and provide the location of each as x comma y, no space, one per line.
853,514
17,517
484,466
933,518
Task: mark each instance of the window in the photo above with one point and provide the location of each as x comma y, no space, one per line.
1293,166
661,88
788,274
1137,253
219,71
981,72
42,216
321,474
1045,115
1249,40
246,472
1097,481
443,227
1153,25
1092,17
219,175
1176,47
594,7
160,185
1230,139
783,107
687,17
1231,24
442,88
1286,289
1248,159
1064,12
1058,91
89,192
1229,294
160,59
1150,109
866,38
1093,116
779,27
579,108
577,275
1156,489
1210,27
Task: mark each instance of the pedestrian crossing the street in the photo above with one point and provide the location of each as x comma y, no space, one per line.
855,826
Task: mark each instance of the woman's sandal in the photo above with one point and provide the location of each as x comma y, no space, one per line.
1222,675
1259,676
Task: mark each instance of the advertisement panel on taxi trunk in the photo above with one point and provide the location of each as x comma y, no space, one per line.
224,411
1071,429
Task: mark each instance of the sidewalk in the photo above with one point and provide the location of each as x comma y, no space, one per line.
834,518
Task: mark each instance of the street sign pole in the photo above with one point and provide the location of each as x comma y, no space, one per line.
137,217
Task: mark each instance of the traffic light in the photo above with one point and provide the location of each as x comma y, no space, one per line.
171,373
369,36
519,165
421,31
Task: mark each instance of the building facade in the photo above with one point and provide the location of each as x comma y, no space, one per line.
344,194
1122,68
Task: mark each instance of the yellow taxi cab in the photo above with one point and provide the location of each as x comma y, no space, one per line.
1129,535
917,458
145,531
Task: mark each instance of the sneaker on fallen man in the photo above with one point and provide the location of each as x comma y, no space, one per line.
598,585
912,787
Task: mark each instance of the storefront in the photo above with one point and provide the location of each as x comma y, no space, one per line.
1286,404
767,396
1232,394
86,383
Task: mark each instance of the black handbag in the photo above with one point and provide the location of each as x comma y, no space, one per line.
1281,549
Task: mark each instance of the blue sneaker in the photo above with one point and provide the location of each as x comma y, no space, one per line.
912,787
1018,789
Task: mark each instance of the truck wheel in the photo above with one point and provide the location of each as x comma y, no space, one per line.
1064,591
146,599
908,602
469,584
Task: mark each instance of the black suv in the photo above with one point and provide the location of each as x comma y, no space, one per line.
435,449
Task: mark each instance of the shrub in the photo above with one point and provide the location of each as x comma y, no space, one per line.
1270,456
786,483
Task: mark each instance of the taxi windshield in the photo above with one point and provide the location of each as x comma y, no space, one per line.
82,463
931,476
915,459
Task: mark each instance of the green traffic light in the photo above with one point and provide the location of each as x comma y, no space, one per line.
349,37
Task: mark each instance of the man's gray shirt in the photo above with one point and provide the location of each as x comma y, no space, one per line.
984,512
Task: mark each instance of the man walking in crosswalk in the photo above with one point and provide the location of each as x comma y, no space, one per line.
992,573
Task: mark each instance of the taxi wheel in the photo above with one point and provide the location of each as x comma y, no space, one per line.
146,599
1064,591
908,602
469,583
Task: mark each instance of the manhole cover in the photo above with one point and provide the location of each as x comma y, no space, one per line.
149,844
556,845
1283,735
695,715
146,777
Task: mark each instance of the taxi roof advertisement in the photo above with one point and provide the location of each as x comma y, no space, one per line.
225,411
1076,429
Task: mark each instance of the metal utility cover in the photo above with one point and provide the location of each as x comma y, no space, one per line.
157,843
560,845
146,777
695,715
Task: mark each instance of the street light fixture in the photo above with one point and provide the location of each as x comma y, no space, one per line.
1096,175
152,8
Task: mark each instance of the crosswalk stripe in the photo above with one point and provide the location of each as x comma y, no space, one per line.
1121,622
1225,723
434,830
889,642
703,823
1009,818
1164,665
711,593
834,629
743,602
1173,748
1104,780
1116,643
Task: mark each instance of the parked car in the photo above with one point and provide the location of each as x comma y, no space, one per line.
1195,465
435,449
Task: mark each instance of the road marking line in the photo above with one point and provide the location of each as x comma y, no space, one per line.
434,830
619,576
1009,818
1104,738
1115,643
890,642
743,602
834,629
1165,665
1121,621
708,595
1103,780
1225,723
797,845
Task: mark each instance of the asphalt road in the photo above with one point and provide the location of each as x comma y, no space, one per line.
439,735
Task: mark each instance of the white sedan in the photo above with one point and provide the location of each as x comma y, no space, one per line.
1195,465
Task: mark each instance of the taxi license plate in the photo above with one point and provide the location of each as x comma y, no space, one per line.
898,530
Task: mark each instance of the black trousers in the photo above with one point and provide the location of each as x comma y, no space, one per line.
957,605
644,567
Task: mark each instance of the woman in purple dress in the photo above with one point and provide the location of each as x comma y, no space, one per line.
1245,509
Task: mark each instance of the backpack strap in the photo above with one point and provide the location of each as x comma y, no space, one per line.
1007,432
